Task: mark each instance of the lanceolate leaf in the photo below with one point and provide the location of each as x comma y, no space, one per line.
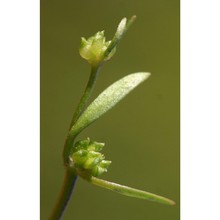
128,191
108,99
121,30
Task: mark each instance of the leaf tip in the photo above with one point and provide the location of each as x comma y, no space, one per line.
143,75
172,202
169,202
146,74
134,17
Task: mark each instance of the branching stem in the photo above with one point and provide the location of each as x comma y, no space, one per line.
70,177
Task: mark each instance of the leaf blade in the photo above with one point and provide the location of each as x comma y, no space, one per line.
131,192
123,27
108,99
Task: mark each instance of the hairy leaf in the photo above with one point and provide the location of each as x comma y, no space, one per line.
108,99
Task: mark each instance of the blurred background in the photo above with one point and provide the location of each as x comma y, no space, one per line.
142,133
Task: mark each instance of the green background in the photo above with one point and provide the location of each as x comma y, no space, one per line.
141,133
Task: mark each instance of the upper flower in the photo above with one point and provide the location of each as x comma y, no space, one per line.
93,49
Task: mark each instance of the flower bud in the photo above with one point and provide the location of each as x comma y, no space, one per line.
101,168
93,49
83,144
95,146
86,158
80,157
105,164
98,170
93,159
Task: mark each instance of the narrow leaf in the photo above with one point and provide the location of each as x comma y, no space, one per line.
108,99
123,26
128,191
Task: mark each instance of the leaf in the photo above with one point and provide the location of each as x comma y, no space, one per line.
108,99
128,191
123,26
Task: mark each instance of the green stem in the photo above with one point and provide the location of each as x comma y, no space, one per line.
65,195
86,95
81,106
70,177
128,191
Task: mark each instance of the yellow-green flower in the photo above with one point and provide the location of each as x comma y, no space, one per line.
93,49
87,158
